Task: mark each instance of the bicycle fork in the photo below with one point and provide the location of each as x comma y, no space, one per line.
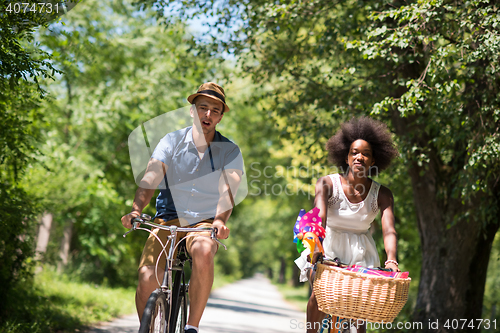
167,283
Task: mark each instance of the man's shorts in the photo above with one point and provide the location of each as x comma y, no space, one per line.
153,247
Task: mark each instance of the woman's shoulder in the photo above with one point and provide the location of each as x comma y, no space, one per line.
384,195
329,179
324,185
325,180
332,176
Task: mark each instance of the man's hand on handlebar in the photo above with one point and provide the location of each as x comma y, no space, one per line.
222,230
127,219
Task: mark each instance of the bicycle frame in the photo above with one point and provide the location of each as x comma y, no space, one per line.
167,284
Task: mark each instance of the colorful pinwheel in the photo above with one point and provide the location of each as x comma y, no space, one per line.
309,231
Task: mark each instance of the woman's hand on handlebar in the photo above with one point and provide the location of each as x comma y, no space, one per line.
127,219
222,230
392,266
316,256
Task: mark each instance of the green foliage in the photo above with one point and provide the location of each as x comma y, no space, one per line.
432,63
20,59
16,240
307,85
454,100
429,69
261,226
19,113
121,68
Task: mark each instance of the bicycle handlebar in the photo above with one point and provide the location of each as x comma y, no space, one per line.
146,219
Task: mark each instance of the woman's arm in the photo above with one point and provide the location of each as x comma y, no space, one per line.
324,187
323,192
386,204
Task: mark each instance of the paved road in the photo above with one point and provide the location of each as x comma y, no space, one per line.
247,306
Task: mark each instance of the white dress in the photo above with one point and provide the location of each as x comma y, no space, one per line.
347,229
348,234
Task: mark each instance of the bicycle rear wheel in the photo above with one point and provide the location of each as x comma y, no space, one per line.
155,316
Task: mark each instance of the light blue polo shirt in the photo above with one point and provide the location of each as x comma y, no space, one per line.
190,190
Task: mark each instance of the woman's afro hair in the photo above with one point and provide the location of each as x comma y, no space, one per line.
372,131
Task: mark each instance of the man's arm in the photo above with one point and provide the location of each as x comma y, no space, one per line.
228,186
152,178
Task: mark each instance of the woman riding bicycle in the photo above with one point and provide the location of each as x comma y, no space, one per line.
349,202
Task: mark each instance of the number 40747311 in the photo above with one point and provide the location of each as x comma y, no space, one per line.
36,7
470,323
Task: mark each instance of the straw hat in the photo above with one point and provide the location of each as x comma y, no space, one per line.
212,90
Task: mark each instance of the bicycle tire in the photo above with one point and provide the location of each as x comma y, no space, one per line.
181,316
179,310
154,317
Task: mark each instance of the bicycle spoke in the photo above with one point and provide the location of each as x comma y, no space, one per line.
154,319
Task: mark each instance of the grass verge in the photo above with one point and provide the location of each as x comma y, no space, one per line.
58,303
297,296
61,303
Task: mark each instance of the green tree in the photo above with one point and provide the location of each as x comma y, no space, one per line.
22,65
445,108
120,68
428,68
261,226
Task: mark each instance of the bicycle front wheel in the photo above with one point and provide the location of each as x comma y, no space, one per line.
155,316
180,323
179,304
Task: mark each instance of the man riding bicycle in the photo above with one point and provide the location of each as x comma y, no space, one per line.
198,172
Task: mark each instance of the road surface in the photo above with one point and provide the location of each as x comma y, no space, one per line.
248,306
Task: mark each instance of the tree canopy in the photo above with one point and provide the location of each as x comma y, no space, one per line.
72,91
428,68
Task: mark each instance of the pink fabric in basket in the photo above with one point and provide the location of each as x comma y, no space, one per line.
374,271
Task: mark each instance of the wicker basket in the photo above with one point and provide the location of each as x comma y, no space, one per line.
363,296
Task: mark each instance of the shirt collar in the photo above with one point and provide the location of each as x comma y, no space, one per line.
189,136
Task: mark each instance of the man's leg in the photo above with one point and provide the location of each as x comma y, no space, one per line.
147,284
202,251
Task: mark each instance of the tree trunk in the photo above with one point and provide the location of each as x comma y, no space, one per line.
270,273
282,276
43,235
454,263
65,245
454,257
295,276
